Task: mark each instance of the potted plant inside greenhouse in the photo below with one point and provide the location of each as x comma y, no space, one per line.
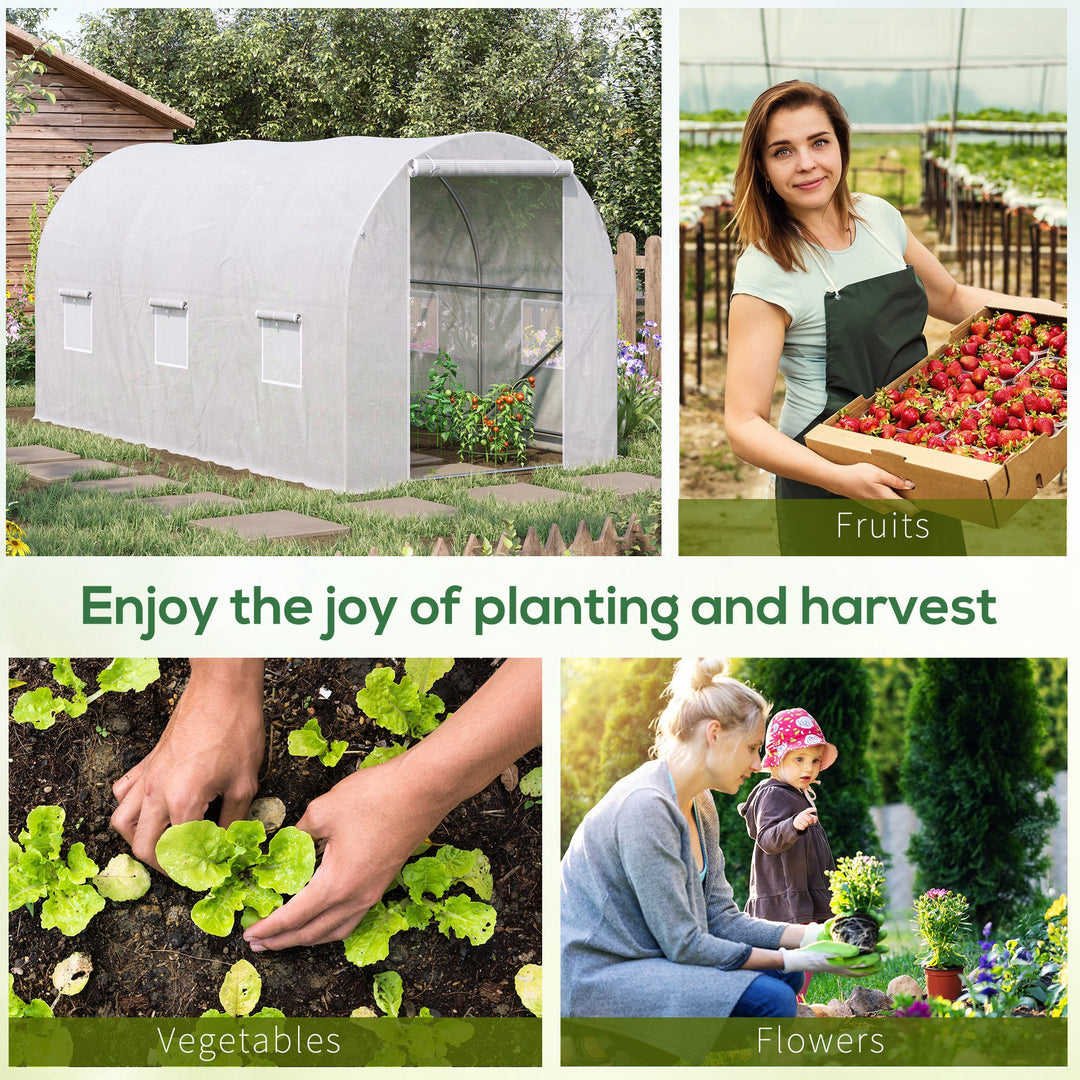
941,921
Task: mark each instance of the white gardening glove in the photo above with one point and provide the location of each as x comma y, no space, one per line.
813,932
795,960
811,960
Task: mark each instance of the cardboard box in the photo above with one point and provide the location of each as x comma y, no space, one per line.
986,493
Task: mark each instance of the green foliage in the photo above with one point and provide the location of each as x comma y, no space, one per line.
124,878
973,775
239,993
891,678
528,983
400,707
838,694
18,1008
941,921
531,784
607,707
427,881
585,85
1040,172
388,991
24,88
36,871
40,707
309,741
231,865
437,408
857,884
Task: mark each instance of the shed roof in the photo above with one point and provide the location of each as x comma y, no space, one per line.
26,44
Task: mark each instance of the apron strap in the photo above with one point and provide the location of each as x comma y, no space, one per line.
821,262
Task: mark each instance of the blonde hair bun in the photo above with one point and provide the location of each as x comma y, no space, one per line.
705,671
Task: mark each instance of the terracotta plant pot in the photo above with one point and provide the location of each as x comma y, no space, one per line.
944,982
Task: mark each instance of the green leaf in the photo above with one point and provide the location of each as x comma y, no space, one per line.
65,676
196,854
38,707
427,718
240,989
531,783
17,1007
388,991
389,704
123,878
417,915
333,755
246,836
457,861
267,1011
381,754
425,875
259,901
125,673
308,741
290,861
44,831
473,868
28,877
370,941
428,671
216,912
467,918
70,911
528,983
80,866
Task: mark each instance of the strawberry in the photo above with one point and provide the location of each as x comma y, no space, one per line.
969,363
1059,381
981,328
1003,322
1044,425
954,369
1008,371
908,418
939,380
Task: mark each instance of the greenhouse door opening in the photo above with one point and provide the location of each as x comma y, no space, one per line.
486,289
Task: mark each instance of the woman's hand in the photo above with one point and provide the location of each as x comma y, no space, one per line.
865,481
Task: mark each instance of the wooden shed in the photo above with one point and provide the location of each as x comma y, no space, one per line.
94,114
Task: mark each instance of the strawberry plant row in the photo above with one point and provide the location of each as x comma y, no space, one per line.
980,420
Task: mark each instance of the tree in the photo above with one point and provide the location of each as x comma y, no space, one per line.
584,85
891,678
974,776
608,706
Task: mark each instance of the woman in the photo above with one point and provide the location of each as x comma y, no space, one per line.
649,923
832,290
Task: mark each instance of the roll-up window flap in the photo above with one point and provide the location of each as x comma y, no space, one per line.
170,305
277,316
430,167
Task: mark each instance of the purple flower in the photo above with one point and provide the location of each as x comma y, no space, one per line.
916,1008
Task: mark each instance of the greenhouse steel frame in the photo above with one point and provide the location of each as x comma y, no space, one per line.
254,304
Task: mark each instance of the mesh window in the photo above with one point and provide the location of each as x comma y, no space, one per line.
170,336
541,331
281,351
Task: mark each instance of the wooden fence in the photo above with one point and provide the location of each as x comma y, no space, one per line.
634,541
628,265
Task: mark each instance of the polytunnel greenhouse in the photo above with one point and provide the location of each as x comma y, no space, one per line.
276,306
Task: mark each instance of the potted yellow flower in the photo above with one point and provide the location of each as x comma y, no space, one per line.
941,921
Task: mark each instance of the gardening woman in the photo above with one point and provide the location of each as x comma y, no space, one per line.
649,923
831,290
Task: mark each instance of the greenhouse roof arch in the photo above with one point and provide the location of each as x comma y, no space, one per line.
254,303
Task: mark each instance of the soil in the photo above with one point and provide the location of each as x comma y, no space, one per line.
149,957
708,467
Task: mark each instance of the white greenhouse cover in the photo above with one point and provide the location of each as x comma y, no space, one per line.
886,65
255,304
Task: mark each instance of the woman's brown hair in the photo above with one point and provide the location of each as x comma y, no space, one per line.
762,216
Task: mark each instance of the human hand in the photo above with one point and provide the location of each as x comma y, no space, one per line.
804,820
814,932
212,746
868,482
372,822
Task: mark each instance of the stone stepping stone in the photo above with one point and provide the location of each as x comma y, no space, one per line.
405,506
520,493
31,455
49,472
168,503
624,483
275,525
121,484
454,468
418,460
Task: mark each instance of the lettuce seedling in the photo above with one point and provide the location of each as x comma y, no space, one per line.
528,983
388,990
309,741
231,864
239,993
40,707
18,1008
406,707
36,871
427,881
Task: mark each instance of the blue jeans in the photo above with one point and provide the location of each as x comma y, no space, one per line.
772,993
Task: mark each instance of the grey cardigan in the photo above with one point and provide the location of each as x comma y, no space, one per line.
641,934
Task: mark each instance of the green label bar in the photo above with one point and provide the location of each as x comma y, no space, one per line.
846,528
124,1041
1019,1041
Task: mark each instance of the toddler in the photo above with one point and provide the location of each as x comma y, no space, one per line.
791,850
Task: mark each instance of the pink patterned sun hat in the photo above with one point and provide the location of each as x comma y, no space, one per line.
793,729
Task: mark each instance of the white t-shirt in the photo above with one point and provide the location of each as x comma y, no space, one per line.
801,293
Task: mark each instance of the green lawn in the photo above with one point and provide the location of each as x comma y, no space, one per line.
59,521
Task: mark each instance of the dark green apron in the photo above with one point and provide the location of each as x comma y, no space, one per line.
873,334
